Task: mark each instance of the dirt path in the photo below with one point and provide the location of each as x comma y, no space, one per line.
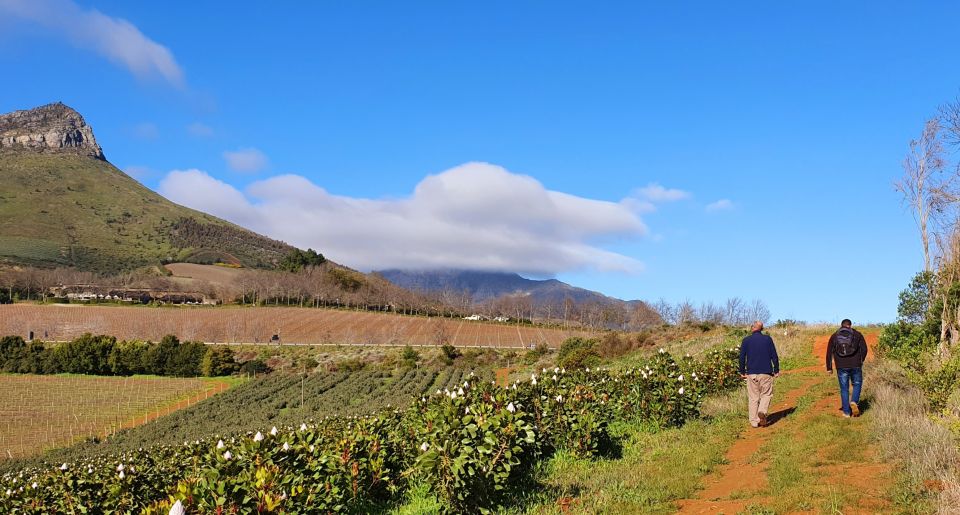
741,483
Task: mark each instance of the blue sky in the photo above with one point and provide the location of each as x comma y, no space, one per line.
774,131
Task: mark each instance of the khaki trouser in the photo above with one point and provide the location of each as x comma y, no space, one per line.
759,393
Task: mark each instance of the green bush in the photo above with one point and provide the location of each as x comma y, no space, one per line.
578,352
449,353
254,367
409,356
218,361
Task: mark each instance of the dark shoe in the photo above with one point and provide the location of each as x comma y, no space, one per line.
763,419
854,409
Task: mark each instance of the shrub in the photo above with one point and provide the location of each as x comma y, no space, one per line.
449,353
409,356
534,355
578,352
254,367
218,361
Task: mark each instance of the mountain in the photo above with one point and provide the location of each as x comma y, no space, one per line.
484,286
63,204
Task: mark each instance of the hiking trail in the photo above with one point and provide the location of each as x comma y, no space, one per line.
742,482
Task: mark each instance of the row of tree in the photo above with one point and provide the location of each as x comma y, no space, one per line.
104,355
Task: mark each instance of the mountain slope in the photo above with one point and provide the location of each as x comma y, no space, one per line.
483,286
63,204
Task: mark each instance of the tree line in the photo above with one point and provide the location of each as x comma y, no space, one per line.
104,355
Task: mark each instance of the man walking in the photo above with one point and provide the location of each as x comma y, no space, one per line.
848,349
759,364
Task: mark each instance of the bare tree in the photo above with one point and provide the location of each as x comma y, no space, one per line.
922,179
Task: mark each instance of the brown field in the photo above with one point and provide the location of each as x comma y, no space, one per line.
42,412
256,325
188,273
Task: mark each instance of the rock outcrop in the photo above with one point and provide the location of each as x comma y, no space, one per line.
50,128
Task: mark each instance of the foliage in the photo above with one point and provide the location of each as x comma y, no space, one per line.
297,260
577,352
409,356
218,361
104,355
534,355
472,442
254,367
907,343
914,306
449,353
937,382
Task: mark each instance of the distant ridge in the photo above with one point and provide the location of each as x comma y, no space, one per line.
63,204
483,286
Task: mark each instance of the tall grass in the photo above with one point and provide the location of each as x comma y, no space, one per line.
925,450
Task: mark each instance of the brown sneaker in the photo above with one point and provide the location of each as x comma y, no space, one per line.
763,419
854,409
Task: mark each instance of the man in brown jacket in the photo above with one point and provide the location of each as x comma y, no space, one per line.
848,349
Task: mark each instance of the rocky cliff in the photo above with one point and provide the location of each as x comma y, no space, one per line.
53,128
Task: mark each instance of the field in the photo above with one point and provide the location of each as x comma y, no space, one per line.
40,412
275,400
257,325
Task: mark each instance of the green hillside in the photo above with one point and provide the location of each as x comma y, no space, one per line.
63,209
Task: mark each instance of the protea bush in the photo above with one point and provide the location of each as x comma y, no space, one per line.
470,445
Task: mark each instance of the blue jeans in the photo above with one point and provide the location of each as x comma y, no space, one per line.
847,376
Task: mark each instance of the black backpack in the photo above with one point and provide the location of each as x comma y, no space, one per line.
845,345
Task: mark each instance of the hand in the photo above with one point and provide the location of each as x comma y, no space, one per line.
777,374
829,372
743,376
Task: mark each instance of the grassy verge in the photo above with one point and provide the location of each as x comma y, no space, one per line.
926,452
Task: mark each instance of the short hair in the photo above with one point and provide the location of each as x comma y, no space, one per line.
846,323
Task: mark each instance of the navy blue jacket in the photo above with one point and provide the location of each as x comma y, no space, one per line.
758,355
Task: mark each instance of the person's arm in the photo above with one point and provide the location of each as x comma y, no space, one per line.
775,359
830,355
743,358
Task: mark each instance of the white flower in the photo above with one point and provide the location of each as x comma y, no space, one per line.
63,467
122,475
460,392
644,374
177,509
34,485
511,408
466,410
9,492
303,427
312,448
424,447
556,369
514,386
453,395
273,432
661,351
258,437
286,446
466,384
543,370
680,378
471,373
559,398
120,467
563,370
554,377
680,391
89,470
588,369
228,455
220,444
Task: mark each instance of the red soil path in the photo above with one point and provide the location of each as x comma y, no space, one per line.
738,483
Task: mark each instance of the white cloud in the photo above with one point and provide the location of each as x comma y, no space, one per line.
114,38
720,205
474,216
246,160
199,130
656,193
